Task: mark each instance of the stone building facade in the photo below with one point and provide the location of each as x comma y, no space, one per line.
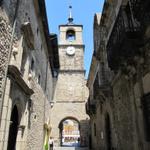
71,92
119,78
28,64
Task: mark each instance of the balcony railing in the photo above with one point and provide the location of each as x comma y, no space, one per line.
141,12
90,108
140,9
123,36
102,84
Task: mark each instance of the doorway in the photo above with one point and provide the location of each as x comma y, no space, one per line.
108,132
14,122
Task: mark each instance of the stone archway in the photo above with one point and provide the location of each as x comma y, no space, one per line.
13,130
69,129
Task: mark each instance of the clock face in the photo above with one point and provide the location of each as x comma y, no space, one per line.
70,50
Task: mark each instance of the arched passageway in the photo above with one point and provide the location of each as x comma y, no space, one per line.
69,132
13,129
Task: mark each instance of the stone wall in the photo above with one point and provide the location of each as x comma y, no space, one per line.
69,101
127,88
5,44
74,63
64,110
78,35
68,87
34,111
71,92
122,106
40,114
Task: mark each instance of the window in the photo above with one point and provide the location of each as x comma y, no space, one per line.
39,79
101,108
32,64
96,87
41,47
70,35
1,1
37,31
94,129
24,60
146,113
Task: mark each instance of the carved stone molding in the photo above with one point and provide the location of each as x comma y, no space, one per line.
28,34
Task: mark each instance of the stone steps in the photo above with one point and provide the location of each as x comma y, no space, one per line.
71,148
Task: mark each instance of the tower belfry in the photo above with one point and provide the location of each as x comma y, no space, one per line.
71,92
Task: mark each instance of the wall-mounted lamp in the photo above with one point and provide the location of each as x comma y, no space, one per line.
51,104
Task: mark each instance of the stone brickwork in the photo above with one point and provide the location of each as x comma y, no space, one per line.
64,110
29,72
68,87
71,63
39,115
119,106
5,38
122,106
63,29
71,92
69,101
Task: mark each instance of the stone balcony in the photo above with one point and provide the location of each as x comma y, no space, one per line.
140,9
101,85
141,13
124,39
90,107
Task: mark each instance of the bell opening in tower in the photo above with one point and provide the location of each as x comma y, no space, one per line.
70,35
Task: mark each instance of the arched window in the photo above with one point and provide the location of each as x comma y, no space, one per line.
70,35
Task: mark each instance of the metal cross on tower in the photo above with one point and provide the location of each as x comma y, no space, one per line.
70,19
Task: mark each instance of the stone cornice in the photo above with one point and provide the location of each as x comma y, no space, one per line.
16,75
28,34
76,45
71,25
72,71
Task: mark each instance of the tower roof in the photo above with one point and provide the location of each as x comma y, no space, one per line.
70,19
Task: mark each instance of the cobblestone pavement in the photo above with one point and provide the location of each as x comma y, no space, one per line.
70,148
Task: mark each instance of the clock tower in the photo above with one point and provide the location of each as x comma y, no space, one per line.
71,48
71,92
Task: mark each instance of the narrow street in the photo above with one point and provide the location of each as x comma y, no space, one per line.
74,75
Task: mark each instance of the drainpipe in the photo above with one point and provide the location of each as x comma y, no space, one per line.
46,75
45,101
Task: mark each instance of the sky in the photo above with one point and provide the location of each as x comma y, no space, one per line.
83,13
